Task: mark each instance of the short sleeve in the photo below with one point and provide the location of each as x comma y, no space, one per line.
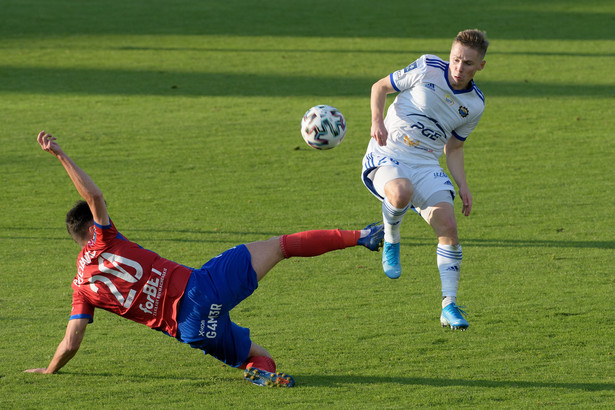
408,76
81,309
464,131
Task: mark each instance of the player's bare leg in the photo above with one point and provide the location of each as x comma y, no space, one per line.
265,255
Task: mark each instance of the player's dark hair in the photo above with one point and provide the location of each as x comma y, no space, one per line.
475,39
78,220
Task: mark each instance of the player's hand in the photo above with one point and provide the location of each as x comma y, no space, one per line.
379,133
41,371
48,143
466,200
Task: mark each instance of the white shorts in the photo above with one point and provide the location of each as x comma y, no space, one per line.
430,182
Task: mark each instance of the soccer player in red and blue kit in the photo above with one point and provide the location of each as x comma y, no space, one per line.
191,305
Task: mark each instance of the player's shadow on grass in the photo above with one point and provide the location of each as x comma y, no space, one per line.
336,381
339,380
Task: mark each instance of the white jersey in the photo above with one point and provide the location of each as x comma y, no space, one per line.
426,113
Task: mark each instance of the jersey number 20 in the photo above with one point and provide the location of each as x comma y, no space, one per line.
119,272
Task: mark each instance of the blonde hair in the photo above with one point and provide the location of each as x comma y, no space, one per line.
474,39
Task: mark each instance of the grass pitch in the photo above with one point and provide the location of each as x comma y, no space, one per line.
186,114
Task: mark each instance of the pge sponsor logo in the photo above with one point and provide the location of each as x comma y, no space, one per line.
427,132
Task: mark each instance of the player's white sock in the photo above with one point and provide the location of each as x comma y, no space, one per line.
449,264
447,300
392,217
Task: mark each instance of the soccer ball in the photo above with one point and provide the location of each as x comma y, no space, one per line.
323,127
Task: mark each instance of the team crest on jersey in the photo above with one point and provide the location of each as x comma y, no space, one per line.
463,111
449,100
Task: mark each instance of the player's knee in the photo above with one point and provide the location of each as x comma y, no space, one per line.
447,227
399,193
265,255
274,242
273,247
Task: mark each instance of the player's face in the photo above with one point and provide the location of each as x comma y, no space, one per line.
464,63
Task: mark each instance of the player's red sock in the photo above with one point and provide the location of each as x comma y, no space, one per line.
314,243
260,362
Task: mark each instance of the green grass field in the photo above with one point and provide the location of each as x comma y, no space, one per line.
187,113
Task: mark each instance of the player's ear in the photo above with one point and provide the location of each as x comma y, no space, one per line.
482,65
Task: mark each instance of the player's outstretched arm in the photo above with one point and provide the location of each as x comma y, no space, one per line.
67,348
84,184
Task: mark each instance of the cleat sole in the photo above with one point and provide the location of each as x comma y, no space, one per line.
264,378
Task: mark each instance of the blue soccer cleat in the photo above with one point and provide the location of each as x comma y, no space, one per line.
373,240
267,379
452,315
390,260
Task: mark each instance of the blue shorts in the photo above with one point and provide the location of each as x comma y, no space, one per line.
203,319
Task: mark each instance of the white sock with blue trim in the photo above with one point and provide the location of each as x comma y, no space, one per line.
449,264
392,217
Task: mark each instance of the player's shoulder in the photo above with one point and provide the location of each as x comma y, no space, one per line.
434,62
421,65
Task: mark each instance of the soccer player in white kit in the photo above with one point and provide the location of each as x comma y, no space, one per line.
437,107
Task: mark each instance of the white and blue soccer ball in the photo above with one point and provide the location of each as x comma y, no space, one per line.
323,127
